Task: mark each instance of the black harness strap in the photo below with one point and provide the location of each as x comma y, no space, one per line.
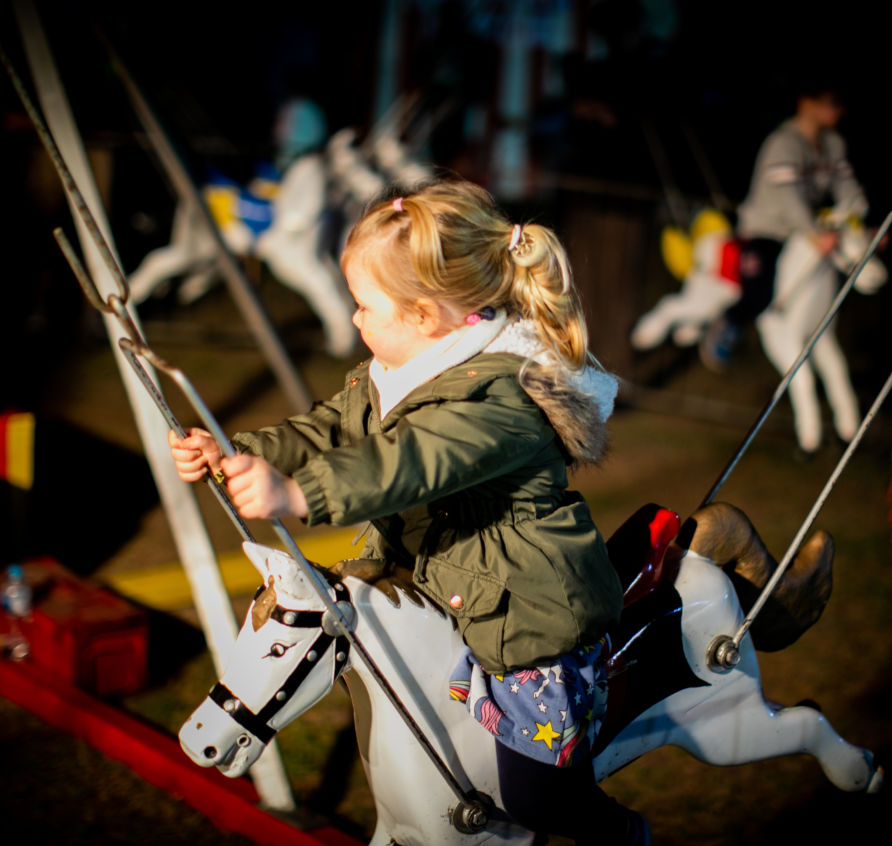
297,619
258,724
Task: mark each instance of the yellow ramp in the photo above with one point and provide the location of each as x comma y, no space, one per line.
167,589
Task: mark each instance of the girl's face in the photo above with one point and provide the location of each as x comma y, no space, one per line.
393,336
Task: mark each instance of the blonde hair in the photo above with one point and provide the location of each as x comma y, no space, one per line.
448,241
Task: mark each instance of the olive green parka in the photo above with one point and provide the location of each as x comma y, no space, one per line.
465,480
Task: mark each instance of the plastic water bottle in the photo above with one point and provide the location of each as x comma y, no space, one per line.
16,592
17,603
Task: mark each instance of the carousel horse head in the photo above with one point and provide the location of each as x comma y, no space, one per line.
854,239
286,658
683,252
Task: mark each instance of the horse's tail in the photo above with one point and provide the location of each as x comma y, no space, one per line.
724,534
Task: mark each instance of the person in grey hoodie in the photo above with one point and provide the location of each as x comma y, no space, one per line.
800,168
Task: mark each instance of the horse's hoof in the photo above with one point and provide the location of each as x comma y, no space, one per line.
804,456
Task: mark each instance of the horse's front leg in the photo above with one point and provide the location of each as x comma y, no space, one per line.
160,265
297,260
380,837
653,326
782,344
830,362
753,730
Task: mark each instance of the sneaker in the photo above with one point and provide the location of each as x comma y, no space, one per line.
718,345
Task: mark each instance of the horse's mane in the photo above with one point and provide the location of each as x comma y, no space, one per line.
391,580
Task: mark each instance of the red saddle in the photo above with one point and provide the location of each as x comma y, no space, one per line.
637,549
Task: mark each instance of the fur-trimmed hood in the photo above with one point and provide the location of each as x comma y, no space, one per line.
576,403
577,409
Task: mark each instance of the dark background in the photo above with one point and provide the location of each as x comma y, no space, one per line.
215,78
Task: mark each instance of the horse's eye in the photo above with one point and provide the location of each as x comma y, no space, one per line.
277,650
259,590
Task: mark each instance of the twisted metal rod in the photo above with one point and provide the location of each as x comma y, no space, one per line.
129,344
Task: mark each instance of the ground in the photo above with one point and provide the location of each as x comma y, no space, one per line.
675,428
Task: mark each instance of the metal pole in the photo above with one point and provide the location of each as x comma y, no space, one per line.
671,193
716,194
239,287
806,350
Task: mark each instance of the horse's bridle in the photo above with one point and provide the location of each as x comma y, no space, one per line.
258,723
473,810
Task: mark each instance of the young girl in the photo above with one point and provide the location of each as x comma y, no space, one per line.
454,441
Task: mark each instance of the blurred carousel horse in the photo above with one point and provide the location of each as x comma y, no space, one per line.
664,689
285,222
805,286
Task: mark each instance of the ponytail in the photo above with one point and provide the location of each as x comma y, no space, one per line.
447,240
543,291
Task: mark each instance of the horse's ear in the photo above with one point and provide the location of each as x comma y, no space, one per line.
277,567
258,555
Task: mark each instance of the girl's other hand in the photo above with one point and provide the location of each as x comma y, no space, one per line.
193,454
258,490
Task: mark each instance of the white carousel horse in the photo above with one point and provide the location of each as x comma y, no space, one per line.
805,286
798,307
663,690
360,172
706,264
283,222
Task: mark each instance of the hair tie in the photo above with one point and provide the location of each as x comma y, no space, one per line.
485,313
515,236
397,204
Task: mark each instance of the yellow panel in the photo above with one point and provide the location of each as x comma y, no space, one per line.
20,450
166,587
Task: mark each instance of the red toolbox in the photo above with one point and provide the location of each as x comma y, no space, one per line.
86,634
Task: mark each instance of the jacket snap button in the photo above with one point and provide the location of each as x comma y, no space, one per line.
456,602
354,381
472,373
